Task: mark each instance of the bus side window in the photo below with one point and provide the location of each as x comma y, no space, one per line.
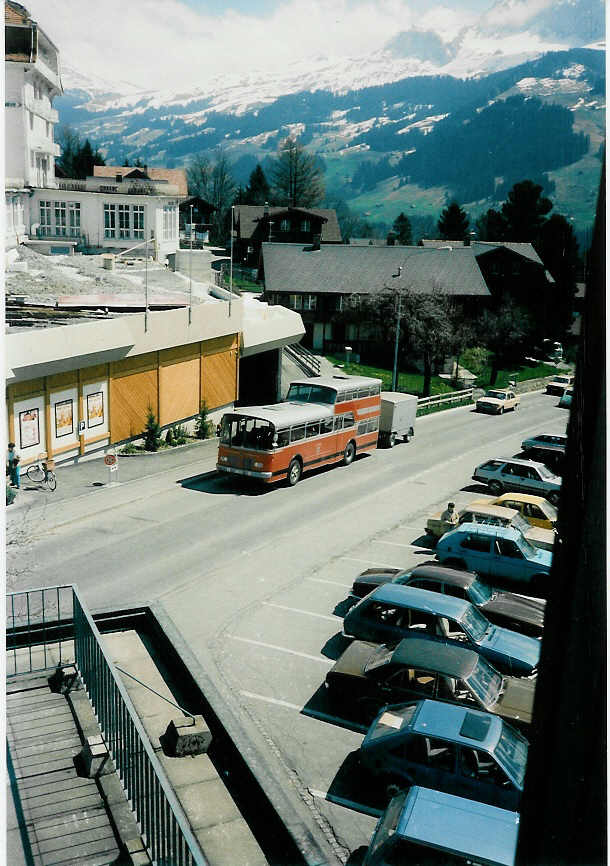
297,433
348,420
283,438
338,422
326,426
313,429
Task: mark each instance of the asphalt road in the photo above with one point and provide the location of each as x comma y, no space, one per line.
255,580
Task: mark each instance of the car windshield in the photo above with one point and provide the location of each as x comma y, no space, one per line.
485,682
563,380
380,656
520,523
311,394
549,511
391,721
479,593
511,754
241,432
498,395
475,623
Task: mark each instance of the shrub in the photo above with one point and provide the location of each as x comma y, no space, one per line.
152,432
169,437
179,434
130,448
474,359
203,426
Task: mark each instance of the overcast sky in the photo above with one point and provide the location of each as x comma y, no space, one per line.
168,43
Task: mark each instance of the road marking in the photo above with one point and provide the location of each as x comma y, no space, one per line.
282,649
372,562
274,701
306,612
330,582
349,804
399,544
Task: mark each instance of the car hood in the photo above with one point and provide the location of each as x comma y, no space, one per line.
541,538
517,701
493,401
516,646
353,660
530,610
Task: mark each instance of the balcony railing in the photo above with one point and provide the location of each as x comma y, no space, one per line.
45,617
54,234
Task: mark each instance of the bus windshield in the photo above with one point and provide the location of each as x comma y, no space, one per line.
242,432
301,393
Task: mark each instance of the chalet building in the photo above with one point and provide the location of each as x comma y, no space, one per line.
255,225
195,218
321,283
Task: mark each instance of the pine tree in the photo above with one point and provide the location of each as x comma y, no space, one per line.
297,176
258,190
402,229
525,211
152,432
453,223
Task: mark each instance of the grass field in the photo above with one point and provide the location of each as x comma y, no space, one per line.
409,383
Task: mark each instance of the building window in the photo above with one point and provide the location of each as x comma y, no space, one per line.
60,218
74,217
309,302
32,159
109,221
138,221
123,220
45,218
31,120
285,226
295,302
169,222
305,226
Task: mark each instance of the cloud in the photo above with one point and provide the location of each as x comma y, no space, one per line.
158,44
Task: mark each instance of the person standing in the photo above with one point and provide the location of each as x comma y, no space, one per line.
13,465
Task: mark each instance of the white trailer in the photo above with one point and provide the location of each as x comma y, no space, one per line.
397,419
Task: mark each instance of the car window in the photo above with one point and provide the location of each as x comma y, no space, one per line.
518,506
515,469
422,583
476,542
455,591
441,754
401,679
507,547
384,613
491,464
421,619
477,764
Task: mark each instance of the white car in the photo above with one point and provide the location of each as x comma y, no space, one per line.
497,401
560,383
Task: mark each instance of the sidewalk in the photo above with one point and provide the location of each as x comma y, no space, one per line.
75,480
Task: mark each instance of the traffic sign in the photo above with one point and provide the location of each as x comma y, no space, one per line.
110,459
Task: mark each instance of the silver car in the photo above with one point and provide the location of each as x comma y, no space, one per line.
523,476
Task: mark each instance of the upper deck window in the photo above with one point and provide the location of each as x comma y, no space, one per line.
311,394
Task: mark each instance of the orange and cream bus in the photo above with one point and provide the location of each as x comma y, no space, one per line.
323,420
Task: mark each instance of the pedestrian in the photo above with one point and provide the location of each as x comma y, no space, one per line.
13,465
450,515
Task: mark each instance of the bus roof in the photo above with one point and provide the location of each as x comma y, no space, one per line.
283,415
339,383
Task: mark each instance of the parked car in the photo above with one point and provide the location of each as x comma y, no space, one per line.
498,400
397,419
553,459
498,552
559,383
565,400
496,515
508,609
451,748
537,510
556,441
392,613
373,675
420,824
523,476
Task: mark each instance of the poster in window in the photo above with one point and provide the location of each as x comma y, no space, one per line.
64,420
29,429
95,409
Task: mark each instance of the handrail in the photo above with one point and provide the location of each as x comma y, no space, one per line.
452,397
304,359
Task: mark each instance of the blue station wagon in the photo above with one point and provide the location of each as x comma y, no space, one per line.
394,612
496,551
465,752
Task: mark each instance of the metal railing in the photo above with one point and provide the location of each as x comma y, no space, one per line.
38,616
465,396
304,359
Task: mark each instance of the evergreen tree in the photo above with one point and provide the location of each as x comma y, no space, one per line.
152,432
491,226
297,176
402,229
558,248
453,223
77,159
525,211
258,190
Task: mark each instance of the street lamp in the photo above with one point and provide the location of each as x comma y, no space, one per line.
398,314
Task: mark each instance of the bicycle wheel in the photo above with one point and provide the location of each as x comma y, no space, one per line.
51,480
35,473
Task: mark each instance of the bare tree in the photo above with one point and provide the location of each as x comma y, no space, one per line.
297,176
198,175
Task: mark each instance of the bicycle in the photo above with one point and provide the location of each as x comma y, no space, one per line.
40,473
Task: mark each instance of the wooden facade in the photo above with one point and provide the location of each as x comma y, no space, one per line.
111,401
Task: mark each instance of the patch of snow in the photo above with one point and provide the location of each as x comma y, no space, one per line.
426,125
548,86
576,70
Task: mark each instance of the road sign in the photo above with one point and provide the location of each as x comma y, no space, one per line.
114,467
110,460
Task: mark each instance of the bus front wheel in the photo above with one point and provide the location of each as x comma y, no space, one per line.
349,453
294,472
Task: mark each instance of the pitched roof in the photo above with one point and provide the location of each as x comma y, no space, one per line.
346,269
248,217
174,176
522,249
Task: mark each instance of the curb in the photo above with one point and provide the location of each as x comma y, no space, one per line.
171,449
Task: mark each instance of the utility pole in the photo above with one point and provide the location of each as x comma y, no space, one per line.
398,313
146,284
231,271
191,271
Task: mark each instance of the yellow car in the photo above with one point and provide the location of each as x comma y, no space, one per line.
497,401
535,509
497,515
